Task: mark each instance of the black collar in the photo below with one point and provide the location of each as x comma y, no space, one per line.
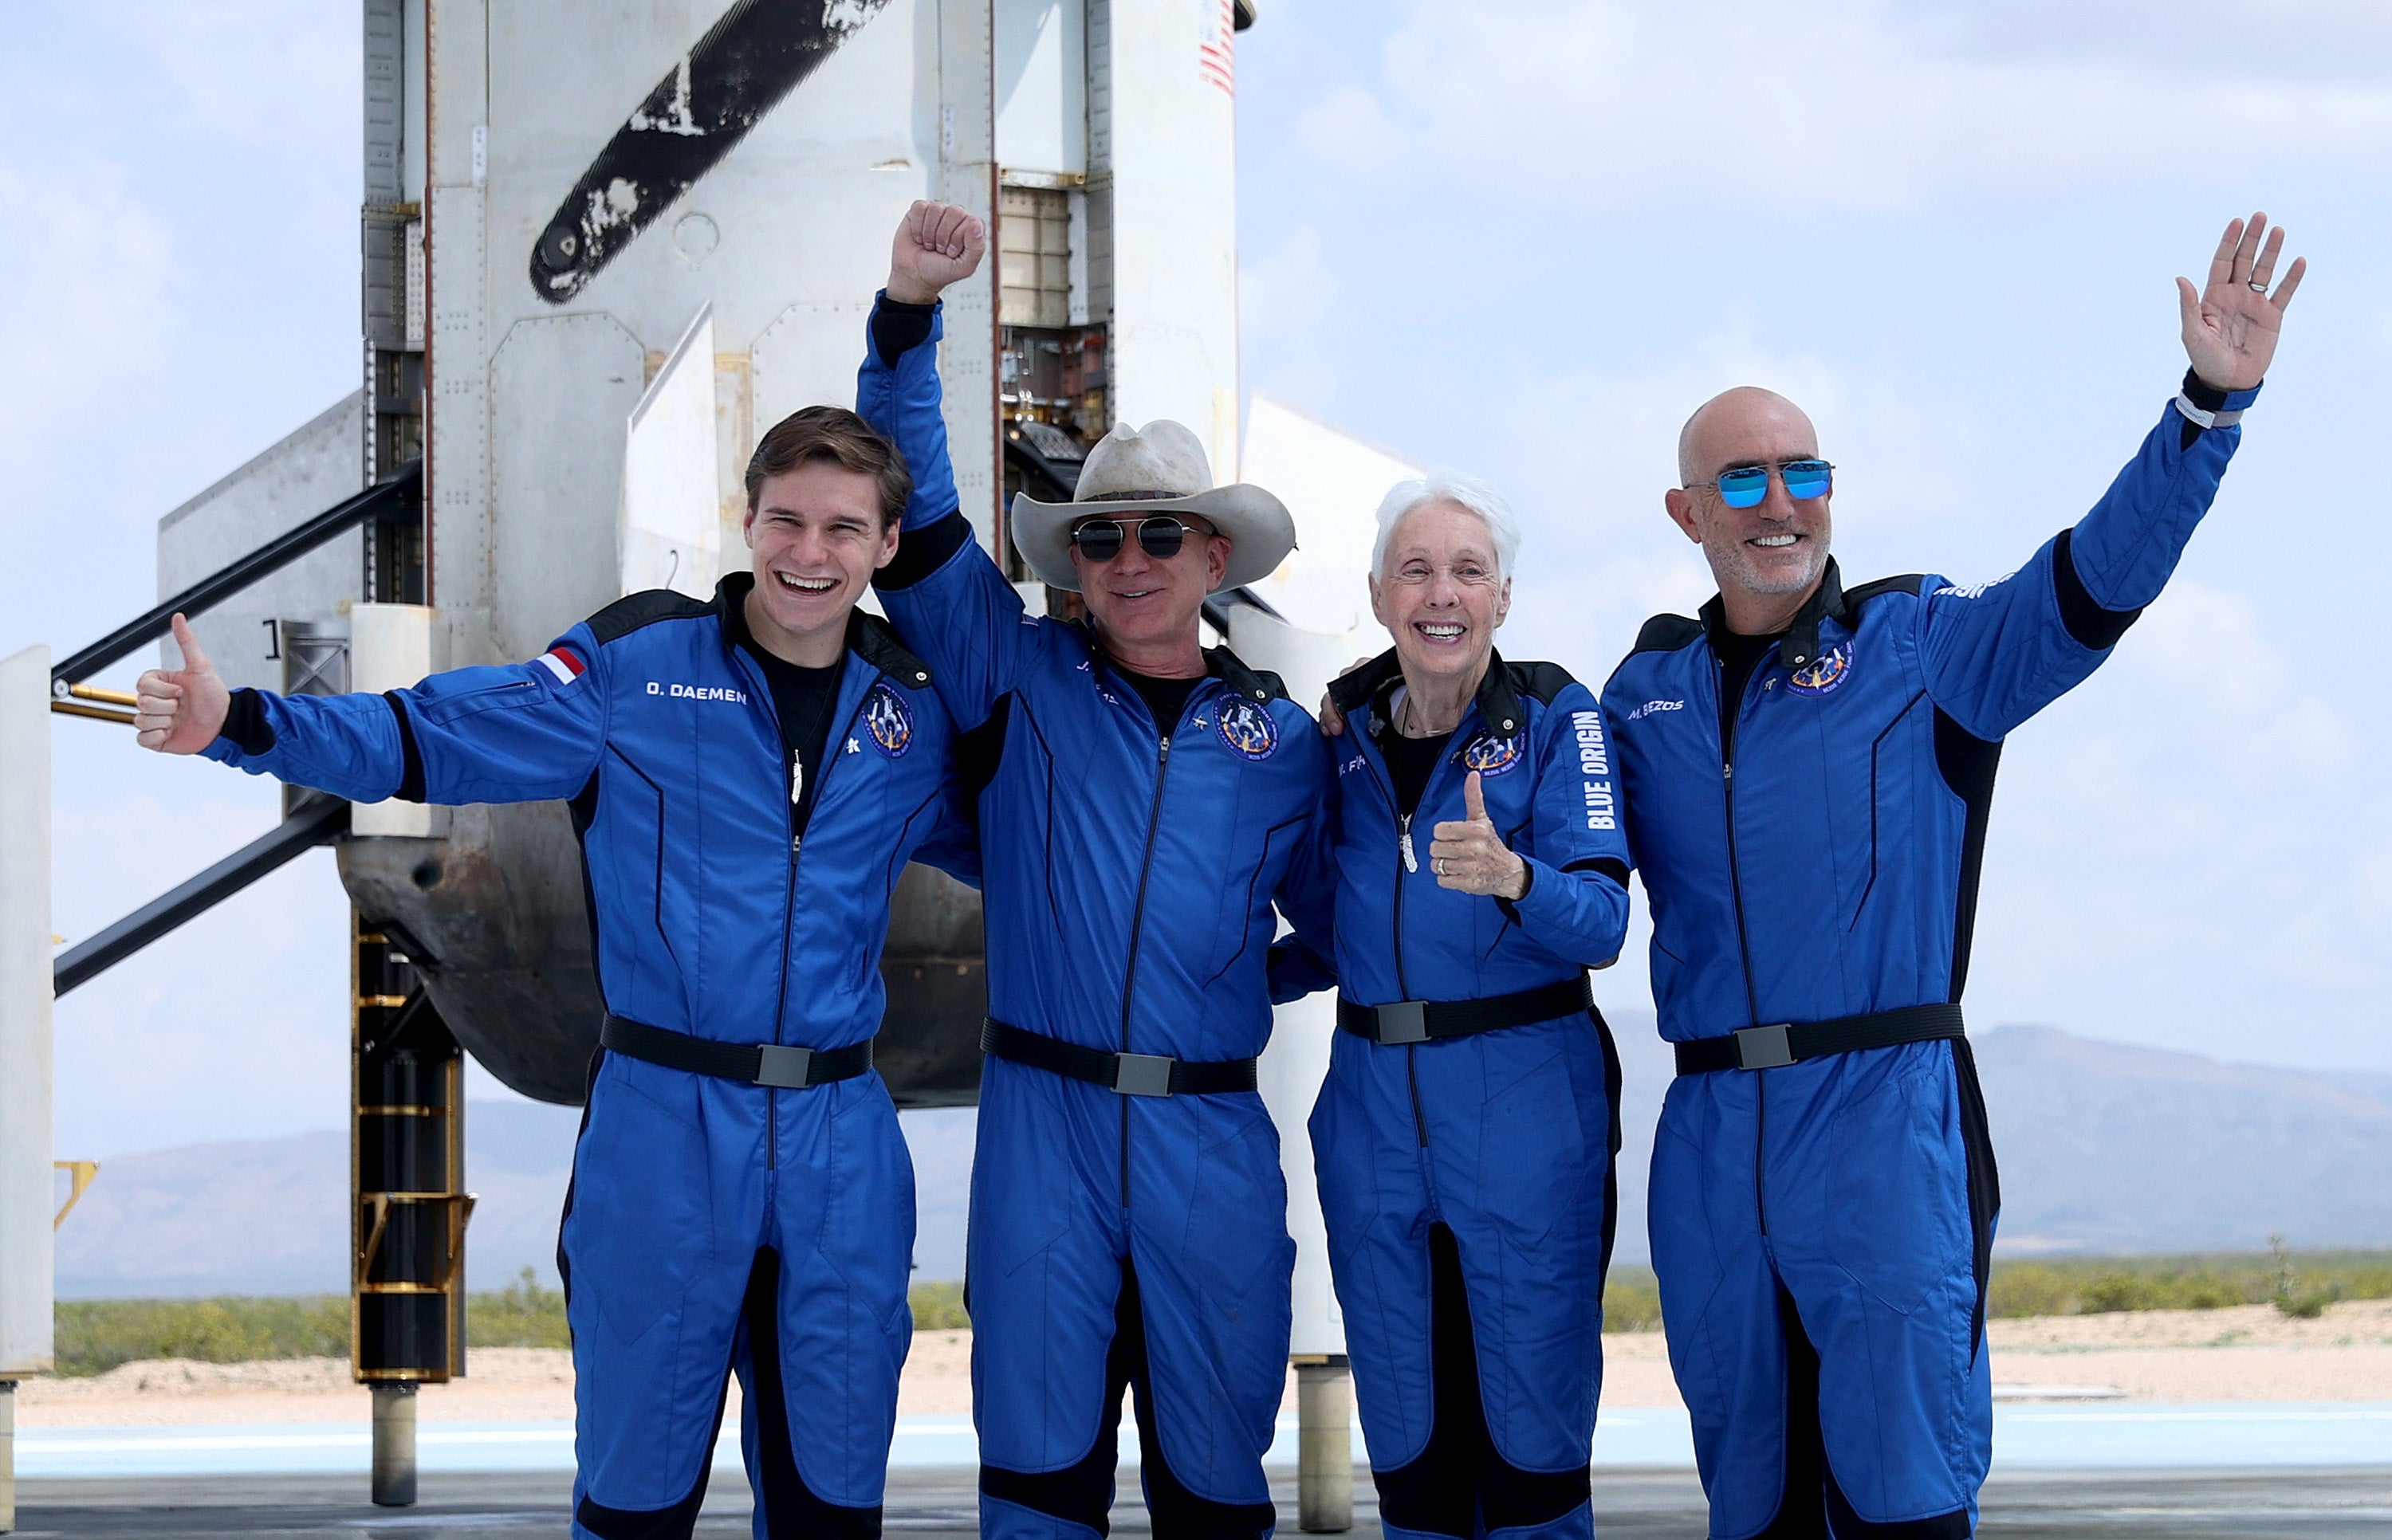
1219,663
1376,680
869,636
1802,643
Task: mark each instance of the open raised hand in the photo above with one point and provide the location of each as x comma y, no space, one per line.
2230,327
1470,857
181,710
937,244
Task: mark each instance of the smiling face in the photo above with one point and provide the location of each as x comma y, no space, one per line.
1146,607
818,537
1438,592
1776,550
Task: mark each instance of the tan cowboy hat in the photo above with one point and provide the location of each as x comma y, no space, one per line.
1123,474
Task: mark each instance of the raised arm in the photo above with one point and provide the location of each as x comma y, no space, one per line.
523,732
1997,653
943,593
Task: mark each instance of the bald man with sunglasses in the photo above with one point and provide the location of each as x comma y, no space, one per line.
1142,802
1808,767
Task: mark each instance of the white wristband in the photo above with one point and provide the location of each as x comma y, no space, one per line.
2207,420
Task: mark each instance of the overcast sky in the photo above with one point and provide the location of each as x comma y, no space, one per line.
1523,241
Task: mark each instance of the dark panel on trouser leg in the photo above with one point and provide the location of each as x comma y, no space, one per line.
1082,1493
1811,1499
1611,1086
1177,1513
1459,1478
1801,1508
791,1510
676,1522
1984,1183
1850,1526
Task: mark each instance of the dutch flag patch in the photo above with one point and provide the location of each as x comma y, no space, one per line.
562,662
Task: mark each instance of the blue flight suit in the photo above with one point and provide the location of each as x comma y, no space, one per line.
1130,869
1467,1181
1822,1230
711,1223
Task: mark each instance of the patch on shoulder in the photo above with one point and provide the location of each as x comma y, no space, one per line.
1824,673
1247,727
1491,755
888,720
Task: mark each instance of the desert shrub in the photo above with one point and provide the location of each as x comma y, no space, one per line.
521,1316
94,1336
938,1306
1632,1300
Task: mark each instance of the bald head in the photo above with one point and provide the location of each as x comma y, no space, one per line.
1768,555
1744,426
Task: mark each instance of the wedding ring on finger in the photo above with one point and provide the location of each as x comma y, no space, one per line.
2258,286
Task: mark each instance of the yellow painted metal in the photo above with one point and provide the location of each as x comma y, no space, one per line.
84,1172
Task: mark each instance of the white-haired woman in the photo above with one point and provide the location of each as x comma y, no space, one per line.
1464,1136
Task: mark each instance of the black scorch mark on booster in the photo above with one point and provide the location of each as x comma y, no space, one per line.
757,54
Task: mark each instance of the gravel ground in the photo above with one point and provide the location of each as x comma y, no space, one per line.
2248,1353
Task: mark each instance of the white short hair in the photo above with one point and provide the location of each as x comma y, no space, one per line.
1447,486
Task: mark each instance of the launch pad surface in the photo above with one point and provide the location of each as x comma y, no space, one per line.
2343,1504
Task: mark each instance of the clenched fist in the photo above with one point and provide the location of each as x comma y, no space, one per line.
937,244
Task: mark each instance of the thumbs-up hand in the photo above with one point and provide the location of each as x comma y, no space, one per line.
181,710
1470,857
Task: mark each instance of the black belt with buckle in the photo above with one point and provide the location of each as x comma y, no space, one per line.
1785,1042
767,1064
1428,1020
1125,1074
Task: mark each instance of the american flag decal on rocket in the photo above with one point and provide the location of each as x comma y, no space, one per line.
1216,60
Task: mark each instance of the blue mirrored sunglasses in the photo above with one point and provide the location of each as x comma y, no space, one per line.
1746,484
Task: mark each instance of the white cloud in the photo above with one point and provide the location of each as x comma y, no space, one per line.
1838,104
1283,297
88,293
246,70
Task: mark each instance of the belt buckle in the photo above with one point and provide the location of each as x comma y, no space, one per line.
784,1069
1402,1022
1142,1074
1764,1047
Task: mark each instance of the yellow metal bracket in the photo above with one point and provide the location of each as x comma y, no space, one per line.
95,713
84,1172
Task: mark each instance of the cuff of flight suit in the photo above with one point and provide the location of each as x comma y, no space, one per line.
923,550
2209,406
899,328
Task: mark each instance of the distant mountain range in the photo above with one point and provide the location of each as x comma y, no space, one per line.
2103,1147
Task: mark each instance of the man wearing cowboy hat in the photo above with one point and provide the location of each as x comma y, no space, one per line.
1142,803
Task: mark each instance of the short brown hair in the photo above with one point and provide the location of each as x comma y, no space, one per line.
846,440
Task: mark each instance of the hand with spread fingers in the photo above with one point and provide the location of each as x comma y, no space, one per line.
181,710
937,244
1470,857
2231,325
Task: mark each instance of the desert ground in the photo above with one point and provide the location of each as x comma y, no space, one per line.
2249,1353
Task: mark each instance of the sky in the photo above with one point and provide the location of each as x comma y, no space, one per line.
1522,241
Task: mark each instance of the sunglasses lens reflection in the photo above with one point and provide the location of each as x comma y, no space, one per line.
1806,479
1099,539
1161,538
1744,488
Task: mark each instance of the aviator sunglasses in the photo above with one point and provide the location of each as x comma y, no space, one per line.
1746,484
1159,535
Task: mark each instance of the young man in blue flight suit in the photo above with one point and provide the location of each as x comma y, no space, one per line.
748,777
1142,803
1808,770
